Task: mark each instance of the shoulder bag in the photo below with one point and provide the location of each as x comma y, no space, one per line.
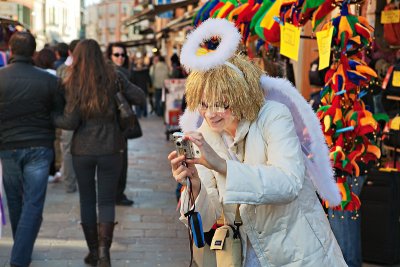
127,120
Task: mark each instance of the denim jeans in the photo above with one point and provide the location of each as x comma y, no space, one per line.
347,230
107,168
141,111
158,104
25,175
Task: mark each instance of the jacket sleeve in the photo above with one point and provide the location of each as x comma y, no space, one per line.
58,98
133,93
68,120
280,179
207,202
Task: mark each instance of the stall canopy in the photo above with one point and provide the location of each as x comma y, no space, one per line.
141,42
151,12
181,22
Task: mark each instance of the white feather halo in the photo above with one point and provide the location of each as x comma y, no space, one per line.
222,28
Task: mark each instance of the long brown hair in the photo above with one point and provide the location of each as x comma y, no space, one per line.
89,79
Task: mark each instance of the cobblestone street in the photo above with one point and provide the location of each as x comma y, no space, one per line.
147,234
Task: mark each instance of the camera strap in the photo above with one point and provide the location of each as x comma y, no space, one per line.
238,220
195,226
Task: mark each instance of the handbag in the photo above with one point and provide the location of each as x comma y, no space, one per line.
127,119
227,243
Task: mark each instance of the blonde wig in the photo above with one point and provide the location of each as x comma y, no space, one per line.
224,84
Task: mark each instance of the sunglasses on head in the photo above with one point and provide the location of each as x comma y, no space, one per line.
118,55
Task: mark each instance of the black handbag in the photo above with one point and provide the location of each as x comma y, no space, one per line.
127,120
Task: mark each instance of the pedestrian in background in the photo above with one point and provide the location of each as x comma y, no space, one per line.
45,59
159,73
61,50
28,95
141,78
98,143
117,54
67,168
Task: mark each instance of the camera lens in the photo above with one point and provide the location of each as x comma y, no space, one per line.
178,143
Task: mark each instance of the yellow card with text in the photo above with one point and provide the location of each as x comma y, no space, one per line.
324,40
396,79
390,16
290,41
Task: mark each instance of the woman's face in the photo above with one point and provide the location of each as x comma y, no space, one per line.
118,56
219,118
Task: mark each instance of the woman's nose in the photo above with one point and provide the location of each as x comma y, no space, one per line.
210,114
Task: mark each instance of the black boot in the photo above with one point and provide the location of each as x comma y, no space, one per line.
106,231
92,242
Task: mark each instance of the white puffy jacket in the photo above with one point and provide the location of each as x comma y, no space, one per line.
282,216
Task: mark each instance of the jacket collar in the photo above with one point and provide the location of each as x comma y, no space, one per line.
22,59
215,139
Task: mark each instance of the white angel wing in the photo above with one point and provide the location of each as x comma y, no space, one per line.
309,131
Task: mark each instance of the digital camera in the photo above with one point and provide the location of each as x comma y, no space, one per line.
185,147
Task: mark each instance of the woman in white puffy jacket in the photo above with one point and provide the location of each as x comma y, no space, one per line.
251,155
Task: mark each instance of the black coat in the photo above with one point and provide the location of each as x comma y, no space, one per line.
141,77
101,134
28,96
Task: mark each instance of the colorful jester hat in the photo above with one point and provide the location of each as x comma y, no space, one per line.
348,127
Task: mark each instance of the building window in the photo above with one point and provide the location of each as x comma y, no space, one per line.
52,16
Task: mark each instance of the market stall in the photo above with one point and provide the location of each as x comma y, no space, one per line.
351,120
173,95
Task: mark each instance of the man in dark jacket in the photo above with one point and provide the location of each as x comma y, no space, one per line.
28,95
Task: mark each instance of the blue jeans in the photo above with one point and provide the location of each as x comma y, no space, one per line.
141,111
25,175
158,104
347,230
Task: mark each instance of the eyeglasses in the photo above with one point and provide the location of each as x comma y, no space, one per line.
118,55
216,108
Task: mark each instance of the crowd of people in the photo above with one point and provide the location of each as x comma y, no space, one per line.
56,106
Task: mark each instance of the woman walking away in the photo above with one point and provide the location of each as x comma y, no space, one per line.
97,143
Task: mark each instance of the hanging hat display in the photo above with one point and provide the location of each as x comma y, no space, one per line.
349,128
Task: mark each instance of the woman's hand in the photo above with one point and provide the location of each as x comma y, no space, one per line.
209,158
180,172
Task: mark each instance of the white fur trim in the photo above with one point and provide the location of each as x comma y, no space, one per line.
319,168
230,39
190,121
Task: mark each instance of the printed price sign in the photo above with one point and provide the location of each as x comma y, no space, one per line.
290,41
396,79
324,40
390,16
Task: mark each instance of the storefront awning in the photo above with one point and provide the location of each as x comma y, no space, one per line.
181,22
140,42
157,9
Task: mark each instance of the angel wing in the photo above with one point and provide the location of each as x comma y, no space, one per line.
309,132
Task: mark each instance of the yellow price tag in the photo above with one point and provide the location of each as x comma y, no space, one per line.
324,40
390,16
290,41
396,79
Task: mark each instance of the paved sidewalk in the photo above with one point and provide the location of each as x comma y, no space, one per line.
148,233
